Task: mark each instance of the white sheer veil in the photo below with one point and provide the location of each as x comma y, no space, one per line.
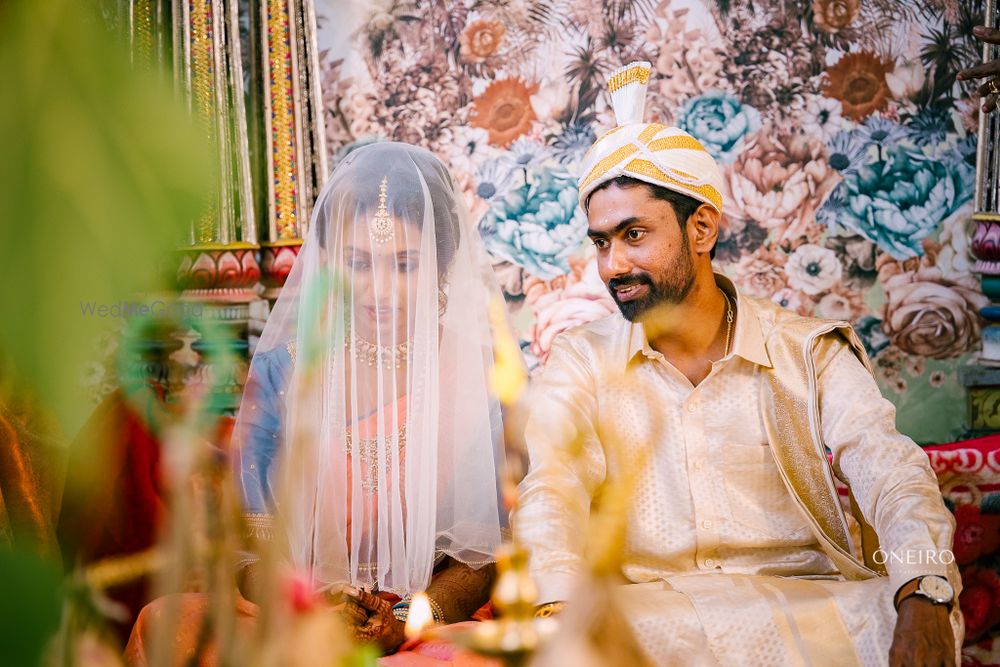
389,451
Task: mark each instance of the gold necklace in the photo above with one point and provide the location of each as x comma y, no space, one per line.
377,355
729,321
368,450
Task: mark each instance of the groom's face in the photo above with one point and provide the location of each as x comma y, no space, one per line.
643,253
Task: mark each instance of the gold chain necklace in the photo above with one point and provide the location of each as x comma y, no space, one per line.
729,321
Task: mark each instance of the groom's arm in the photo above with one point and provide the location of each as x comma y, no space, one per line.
566,466
898,493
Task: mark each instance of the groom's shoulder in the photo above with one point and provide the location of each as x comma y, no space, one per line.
599,335
779,324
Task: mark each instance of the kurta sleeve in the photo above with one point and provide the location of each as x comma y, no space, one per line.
260,430
890,476
566,465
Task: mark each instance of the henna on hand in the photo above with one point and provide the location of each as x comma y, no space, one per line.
381,626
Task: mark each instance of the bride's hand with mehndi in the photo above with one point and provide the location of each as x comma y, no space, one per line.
381,626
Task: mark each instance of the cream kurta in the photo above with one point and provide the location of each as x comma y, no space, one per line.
710,500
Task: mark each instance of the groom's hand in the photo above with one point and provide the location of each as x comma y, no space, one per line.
923,635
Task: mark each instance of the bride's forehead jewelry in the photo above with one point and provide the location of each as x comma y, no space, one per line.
381,228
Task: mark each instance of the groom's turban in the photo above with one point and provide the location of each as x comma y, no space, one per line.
659,154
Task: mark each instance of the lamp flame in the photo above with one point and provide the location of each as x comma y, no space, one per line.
420,616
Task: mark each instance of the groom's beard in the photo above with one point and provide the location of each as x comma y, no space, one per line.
671,290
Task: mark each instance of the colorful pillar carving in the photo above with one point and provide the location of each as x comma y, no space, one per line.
220,260
268,130
982,378
294,138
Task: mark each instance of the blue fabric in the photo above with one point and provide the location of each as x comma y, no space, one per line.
262,426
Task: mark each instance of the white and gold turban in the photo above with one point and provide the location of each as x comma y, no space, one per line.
658,154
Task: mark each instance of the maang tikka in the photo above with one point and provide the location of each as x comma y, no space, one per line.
381,229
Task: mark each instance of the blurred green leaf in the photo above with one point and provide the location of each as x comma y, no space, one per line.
30,606
102,169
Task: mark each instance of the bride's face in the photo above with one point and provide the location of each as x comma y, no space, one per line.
383,279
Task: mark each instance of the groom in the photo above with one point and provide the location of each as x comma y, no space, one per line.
738,551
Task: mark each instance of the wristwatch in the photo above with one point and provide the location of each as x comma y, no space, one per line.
934,588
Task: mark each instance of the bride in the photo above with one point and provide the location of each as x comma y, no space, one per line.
367,428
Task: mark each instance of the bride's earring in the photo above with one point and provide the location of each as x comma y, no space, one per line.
442,302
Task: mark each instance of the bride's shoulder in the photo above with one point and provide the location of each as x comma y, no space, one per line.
277,360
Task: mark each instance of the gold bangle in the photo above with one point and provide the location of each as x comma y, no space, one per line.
436,611
549,609
259,526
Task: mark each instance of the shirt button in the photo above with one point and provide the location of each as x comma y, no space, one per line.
690,407
709,563
706,524
697,465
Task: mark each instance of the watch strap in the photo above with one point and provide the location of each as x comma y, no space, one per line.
911,588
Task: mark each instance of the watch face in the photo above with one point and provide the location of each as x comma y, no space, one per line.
937,589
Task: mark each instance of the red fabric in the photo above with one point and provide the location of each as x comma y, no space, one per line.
969,474
114,495
115,491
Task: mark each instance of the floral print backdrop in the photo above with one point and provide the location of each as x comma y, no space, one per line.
846,143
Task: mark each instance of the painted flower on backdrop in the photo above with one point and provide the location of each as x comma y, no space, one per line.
880,133
937,379
551,98
954,257
930,127
504,110
495,179
737,237
901,199
813,269
822,118
963,151
568,301
928,315
481,39
858,81
832,16
760,273
511,280
781,182
538,225
847,153
462,147
906,79
841,304
525,154
720,122
869,330
829,213
572,143
857,255
687,62
794,301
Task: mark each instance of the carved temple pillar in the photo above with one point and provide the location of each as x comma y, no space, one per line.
249,73
293,140
982,377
